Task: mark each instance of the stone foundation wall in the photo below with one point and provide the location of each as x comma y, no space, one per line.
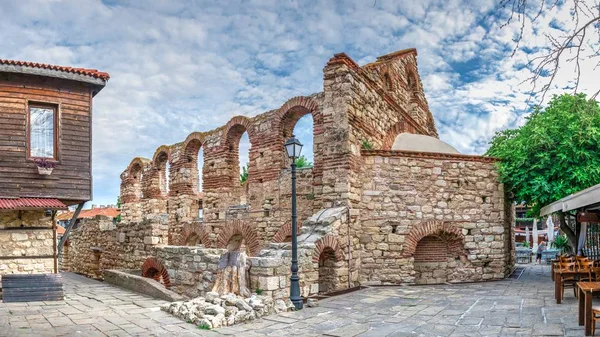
26,234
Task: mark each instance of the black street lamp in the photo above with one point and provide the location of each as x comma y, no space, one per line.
293,147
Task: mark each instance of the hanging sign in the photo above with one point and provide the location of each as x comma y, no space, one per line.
588,217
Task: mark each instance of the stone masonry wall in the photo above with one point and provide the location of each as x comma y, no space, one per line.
408,197
368,214
26,234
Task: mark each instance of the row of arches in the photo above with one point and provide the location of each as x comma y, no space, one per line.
236,147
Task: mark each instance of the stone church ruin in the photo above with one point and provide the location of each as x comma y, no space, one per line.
386,201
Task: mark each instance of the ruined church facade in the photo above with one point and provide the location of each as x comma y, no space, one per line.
370,211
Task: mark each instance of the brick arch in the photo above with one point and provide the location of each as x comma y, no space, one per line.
284,232
152,268
156,186
195,229
394,131
292,110
412,81
328,243
137,164
189,160
235,128
238,227
443,230
193,142
162,153
131,180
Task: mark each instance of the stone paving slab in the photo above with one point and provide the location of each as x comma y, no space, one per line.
524,307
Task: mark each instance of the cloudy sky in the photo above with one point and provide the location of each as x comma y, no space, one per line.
183,66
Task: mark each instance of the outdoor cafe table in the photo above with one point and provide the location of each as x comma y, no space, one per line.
585,290
558,280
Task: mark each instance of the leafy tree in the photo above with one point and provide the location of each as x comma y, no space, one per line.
244,174
556,153
303,162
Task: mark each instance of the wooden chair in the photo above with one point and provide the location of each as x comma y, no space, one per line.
565,258
581,259
586,266
569,281
595,318
594,274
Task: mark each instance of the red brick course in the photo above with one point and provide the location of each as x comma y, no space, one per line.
326,244
152,268
445,230
238,227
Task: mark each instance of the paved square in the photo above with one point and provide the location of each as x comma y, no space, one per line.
523,307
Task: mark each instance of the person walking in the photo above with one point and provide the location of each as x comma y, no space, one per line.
540,249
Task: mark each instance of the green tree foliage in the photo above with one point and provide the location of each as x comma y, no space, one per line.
244,174
556,152
303,162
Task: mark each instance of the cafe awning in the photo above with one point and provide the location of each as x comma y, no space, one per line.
587,199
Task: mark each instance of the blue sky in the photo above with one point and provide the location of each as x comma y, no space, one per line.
179,67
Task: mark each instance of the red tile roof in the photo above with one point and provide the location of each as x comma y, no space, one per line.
60,230
31,203
90,213
82,71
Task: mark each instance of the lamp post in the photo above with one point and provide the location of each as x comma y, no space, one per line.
293,147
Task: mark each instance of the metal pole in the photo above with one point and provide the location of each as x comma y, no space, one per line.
294,279
68,229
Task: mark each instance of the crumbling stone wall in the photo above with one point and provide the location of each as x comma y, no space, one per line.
408,197
25,234
364,209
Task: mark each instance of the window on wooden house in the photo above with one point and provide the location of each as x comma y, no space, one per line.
42,131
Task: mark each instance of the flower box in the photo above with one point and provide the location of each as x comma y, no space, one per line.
45,171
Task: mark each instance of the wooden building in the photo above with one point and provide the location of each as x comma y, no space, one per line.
45,157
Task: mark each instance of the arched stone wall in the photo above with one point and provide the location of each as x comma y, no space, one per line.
238,227
288,115
444,230
285,232
330,242
157,185
132,180
154,269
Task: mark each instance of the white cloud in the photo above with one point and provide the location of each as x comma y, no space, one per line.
185,66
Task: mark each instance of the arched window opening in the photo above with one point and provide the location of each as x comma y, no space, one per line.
303,130
244,157
327,271
136,174
162,167
387,82
194,155
436,259
298,121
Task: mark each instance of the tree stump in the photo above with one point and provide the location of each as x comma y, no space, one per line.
231,274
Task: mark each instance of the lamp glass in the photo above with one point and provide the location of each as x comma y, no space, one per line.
293,147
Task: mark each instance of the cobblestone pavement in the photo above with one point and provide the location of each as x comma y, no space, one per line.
523,307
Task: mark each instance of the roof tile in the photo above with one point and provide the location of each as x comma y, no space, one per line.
82,71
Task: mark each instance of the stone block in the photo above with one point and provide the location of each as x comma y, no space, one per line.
268,282
151,240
